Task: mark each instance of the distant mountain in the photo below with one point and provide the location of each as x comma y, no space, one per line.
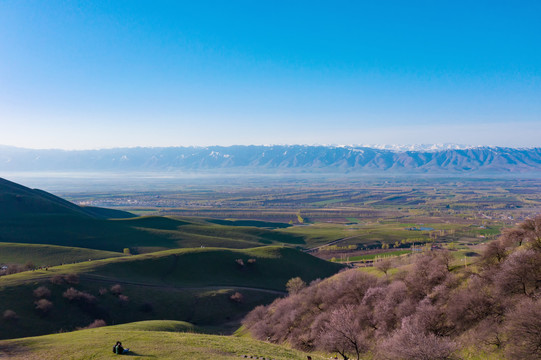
286,158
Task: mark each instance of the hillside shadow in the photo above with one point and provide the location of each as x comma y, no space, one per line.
155,222
252,223
9,350
133,353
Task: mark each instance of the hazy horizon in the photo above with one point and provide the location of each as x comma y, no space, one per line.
92,75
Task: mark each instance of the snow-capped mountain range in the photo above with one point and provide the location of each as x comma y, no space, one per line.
443,158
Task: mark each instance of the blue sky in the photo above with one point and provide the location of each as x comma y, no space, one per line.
95,74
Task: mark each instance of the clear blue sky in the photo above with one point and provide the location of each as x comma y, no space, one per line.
94,74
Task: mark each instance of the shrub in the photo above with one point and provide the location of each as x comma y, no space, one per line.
123,299
42,292
237,297
240,262
117,289
57,280
102,291
43,306
14,269
10,315
75,295
72,279
96,323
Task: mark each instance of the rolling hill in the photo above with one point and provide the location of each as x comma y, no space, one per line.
193,285
37,217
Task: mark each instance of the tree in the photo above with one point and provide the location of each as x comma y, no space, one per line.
413,342
520,273
344,334
295,285
532,231
524,331
384,265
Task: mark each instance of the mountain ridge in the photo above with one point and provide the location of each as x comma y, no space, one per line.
259,158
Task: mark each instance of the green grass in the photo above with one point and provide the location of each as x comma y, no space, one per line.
49,255
144,344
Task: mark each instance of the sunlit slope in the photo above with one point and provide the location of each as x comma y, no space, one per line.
165,342
193,285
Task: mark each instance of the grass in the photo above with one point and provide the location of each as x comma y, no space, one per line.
49,255
161,343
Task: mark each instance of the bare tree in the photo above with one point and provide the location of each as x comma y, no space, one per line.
520,273
532,229
524,331
344,333
412,342
384,266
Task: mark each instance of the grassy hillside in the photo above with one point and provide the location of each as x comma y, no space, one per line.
194,285
49,255
146,341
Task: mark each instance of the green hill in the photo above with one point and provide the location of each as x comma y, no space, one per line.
146,341
19,201
193,285
36,217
